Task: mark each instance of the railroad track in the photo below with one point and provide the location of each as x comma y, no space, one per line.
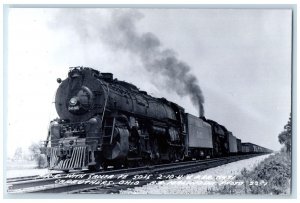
17,179
106,182
27,178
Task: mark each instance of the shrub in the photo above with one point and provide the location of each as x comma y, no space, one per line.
41,161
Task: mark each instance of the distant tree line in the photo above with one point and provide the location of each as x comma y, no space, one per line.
35,151
33,155
285,137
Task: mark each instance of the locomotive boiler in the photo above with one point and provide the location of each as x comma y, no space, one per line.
106,122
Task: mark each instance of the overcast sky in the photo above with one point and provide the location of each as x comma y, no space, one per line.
241,59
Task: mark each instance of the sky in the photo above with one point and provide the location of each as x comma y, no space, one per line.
240,59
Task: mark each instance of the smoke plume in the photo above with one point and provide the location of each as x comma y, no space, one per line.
154,58
121,33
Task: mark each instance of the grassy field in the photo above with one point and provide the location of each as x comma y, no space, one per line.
272,176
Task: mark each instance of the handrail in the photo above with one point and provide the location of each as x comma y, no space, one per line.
105,104
65,138
48,136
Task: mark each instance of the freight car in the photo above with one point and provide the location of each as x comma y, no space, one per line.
250,148
232,143
106,122
239,146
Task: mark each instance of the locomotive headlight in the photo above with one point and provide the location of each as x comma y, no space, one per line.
73,101
81,102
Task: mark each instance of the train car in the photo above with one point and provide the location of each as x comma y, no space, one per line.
232,143
253,148
220,139
247,147
199,141
259,149
239,146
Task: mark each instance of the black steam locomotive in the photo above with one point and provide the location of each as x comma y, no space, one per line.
106,122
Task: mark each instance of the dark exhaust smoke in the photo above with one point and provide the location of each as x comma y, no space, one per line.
121,33
155,59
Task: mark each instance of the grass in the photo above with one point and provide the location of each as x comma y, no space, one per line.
272,176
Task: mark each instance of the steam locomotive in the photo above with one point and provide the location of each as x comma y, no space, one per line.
106,122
